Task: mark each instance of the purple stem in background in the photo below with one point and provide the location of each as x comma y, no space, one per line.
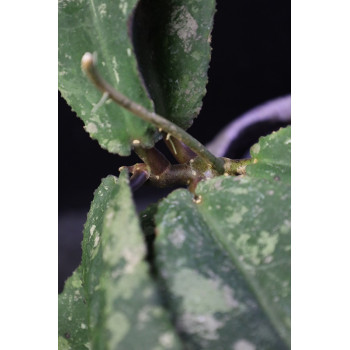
277,110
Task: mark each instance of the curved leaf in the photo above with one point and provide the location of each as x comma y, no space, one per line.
172,44
225,257
102,27
125,311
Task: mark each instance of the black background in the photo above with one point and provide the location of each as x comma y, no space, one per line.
250,64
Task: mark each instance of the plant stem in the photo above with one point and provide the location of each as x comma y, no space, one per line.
89,67
179,150
154,159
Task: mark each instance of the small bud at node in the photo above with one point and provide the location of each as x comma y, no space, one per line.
87,61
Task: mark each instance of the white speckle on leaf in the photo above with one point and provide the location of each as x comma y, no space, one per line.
243,344
268,243
205,326
167,340
268,259
92,230
83,326
128,51
177,237
249,251
237,216
287,142
201,295
123,6
97,239
91,128
184,26
132,257
255,148
144,315
115,66
119,319
114,146
102,10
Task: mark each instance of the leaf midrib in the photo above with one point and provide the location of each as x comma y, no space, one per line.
253,285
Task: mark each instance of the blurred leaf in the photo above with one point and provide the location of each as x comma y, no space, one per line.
72,315
102,27
172,44
125,311
225,259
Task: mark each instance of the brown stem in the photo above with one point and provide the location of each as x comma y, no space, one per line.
155,160
179,150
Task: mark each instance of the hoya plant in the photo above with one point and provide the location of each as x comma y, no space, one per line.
207,267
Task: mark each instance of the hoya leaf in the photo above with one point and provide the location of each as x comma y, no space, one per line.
172,44
125,310
225,263
272,156
72,315
102,27
225,257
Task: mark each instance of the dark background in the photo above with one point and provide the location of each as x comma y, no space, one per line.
250,64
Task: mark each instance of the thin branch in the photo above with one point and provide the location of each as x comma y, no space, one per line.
137,179
89,66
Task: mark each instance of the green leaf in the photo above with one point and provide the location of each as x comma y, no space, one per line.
272,156
172,44
102,27
125,310
225,258
72,315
